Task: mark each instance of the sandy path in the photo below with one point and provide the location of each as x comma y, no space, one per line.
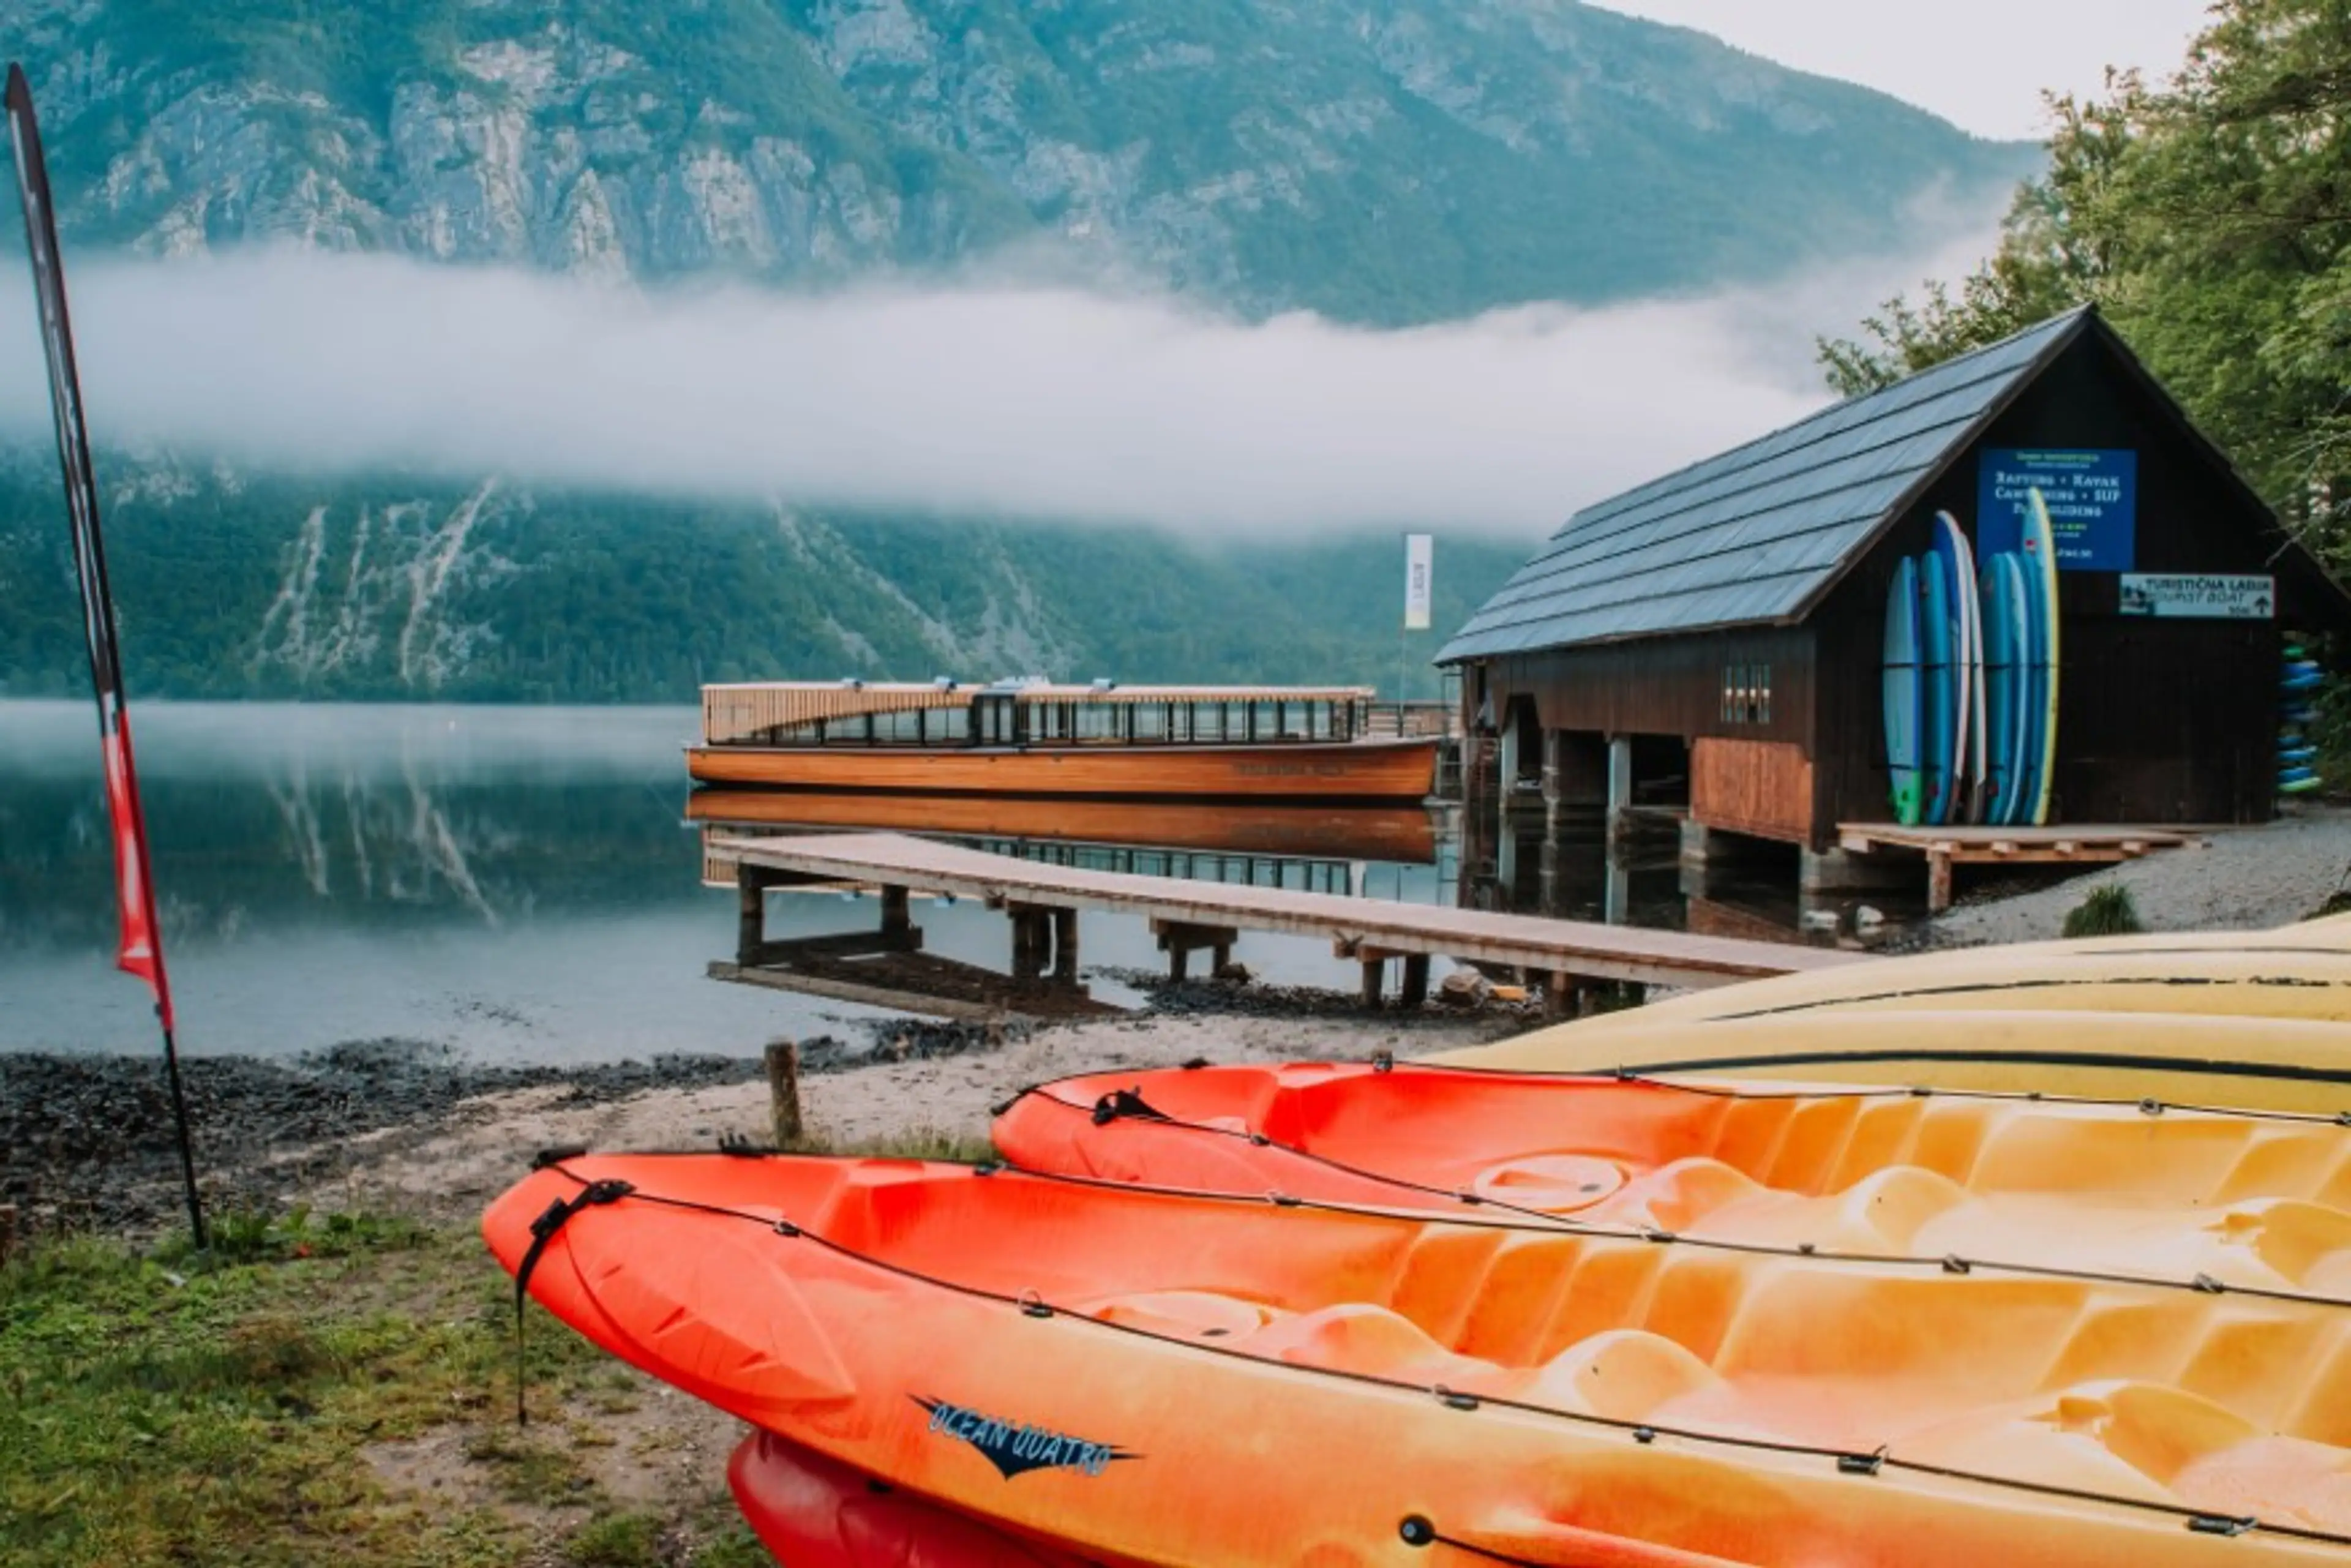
453,1171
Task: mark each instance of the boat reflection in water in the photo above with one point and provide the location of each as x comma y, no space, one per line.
1318,847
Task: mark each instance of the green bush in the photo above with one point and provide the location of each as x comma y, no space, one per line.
2107,912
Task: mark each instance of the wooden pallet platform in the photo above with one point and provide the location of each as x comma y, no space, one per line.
2082,844
1576,956
919,983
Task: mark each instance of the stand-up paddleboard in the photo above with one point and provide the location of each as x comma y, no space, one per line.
2031,702
2005,604
1940,683
2041,559
1902,694
1968,764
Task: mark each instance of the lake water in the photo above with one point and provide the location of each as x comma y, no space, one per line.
517,883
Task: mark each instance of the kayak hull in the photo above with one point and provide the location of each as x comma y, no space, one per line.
1184,1381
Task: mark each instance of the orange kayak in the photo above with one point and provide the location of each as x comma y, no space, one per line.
812,1513
2251,1199
1147,1377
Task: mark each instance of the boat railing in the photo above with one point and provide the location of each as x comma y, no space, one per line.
810,715
1412,721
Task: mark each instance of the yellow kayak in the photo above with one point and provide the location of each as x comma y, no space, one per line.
2256,1019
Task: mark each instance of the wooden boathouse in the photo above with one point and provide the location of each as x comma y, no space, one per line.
1711,642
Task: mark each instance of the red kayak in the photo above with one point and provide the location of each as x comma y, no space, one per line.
814,1512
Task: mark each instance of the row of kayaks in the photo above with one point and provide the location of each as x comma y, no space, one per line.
2299,684
2034,1255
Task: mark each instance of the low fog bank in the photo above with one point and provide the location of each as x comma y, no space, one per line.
1043,401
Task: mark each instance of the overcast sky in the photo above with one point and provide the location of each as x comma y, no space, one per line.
1982,66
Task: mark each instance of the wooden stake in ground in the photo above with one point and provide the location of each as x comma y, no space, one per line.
784,1092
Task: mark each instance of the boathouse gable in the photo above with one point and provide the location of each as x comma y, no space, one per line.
1717,634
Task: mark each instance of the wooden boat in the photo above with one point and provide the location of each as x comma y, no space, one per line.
1269,743
1179,1379
1395,833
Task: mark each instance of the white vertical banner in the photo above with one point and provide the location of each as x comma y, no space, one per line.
1419,551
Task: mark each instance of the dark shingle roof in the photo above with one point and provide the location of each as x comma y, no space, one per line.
1752,535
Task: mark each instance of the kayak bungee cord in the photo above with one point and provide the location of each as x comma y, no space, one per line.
1862,1001
2285,1071
1384,1062
1031,1303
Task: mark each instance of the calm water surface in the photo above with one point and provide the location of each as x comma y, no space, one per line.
517,883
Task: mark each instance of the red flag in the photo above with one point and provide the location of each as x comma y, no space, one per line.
141,951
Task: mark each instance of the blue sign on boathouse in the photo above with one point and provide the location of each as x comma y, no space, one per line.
2093,498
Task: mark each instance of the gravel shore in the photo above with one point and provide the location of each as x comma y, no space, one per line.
2234,879
86,1140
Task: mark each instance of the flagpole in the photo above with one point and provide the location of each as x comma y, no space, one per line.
141,950
187,1139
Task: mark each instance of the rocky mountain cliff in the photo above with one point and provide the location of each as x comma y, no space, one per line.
1394,162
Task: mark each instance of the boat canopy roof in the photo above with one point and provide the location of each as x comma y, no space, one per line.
731,711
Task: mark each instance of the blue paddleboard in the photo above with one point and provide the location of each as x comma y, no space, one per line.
2044,662
1902,697
1939,681
2006,613
1968,767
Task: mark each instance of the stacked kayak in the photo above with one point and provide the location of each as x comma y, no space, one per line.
2251,1020
2299,686
2068,1282
1157,1377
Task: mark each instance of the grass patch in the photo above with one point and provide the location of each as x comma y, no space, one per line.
616,1541
166,1408
916,1143
2108,911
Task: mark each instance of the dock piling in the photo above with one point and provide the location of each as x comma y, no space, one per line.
1415,980
1179,939
783,1057
751,926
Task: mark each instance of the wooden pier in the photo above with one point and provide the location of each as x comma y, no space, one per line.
1946,847
1571,960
